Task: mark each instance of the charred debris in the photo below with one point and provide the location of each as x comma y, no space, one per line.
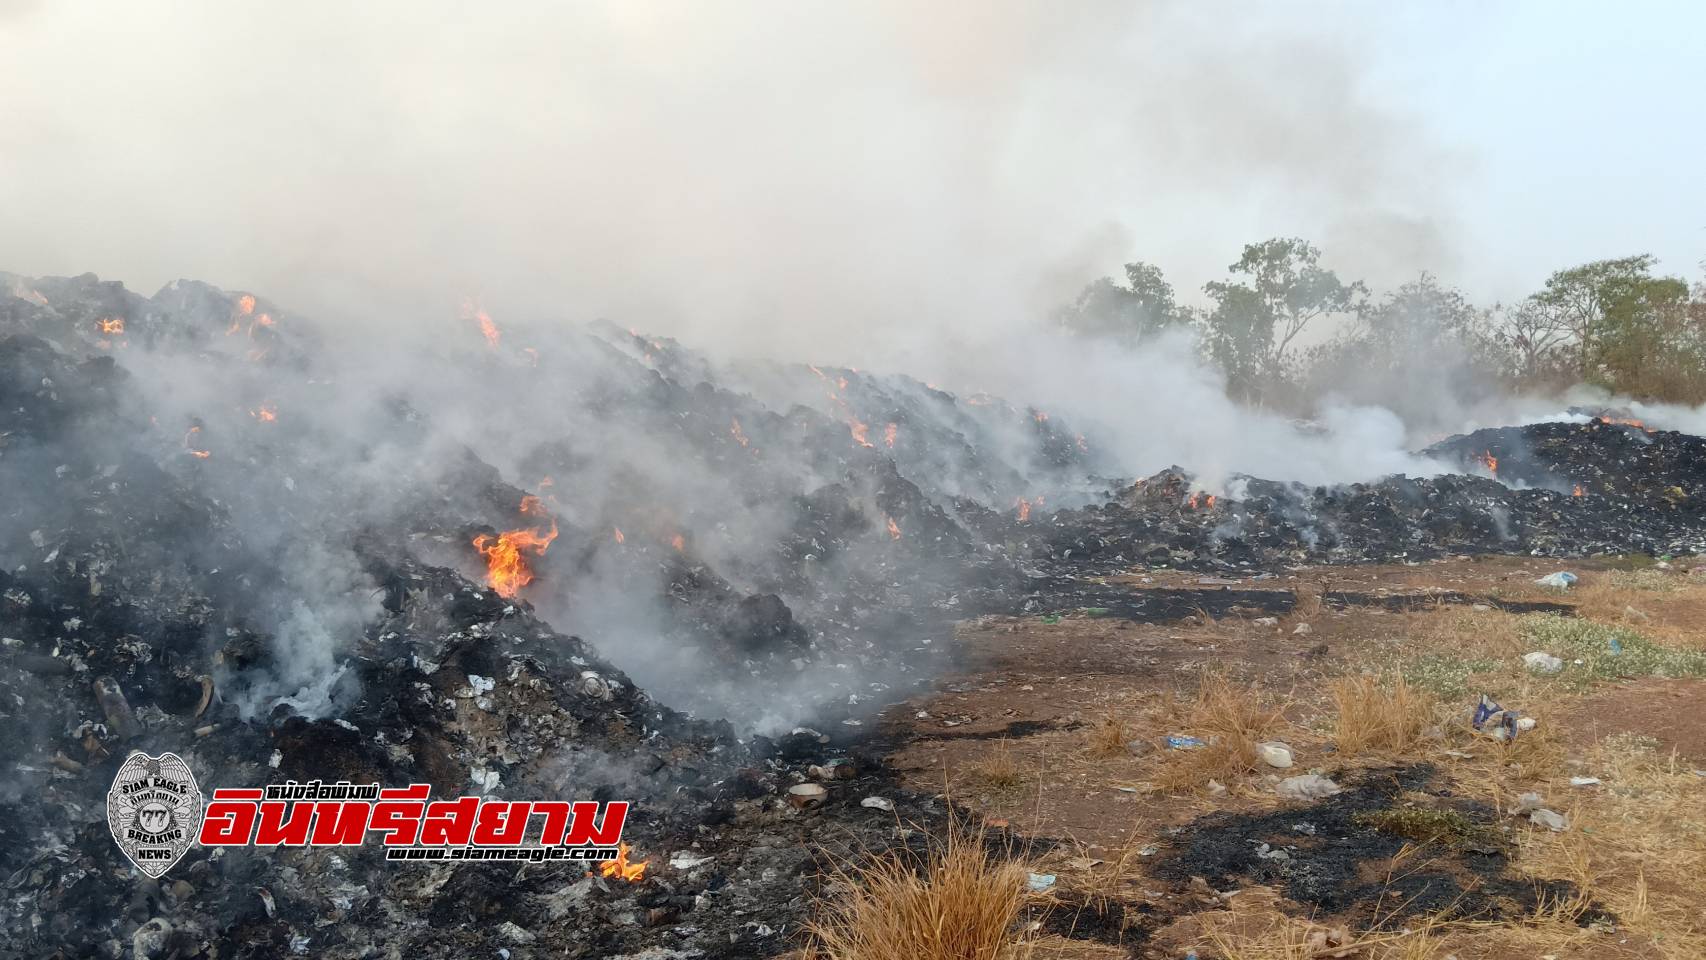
584,570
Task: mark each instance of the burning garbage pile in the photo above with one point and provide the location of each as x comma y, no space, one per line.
1553,489
586,565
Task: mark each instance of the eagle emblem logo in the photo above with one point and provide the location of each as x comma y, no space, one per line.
154,810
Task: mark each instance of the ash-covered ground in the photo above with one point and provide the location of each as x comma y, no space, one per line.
593,565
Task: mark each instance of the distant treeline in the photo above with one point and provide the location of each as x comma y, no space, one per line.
1611,323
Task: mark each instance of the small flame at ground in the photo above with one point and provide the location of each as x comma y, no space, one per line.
190,440
619,538
894,529
1024,510
1202,500
246,304
859,430
735,431
1578,492
267,413
679,542
889,434
1627,422
620,867
1490,462
112,325
507,569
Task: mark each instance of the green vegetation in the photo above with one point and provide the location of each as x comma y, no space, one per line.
1445,675
1447,827
1594,651
1612,323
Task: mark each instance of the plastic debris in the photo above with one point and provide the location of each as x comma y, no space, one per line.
1039,882
1310,786
1175,742
1541,662
1266,621
1551,820
1527,803
1302,630
1052,618
1584,781
1495,721
878,803
1216,788
1557,581
1274,754
1615,646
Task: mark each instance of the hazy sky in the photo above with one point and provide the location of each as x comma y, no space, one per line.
848,173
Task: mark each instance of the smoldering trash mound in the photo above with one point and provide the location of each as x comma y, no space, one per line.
589,565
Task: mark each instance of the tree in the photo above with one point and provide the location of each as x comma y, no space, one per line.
1130,314
1255,322
1589,303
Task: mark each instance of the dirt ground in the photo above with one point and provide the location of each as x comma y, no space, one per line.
1056,728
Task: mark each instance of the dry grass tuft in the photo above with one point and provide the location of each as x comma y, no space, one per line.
1246,935
1108,736
1375,715
961,904
999,770
1232,719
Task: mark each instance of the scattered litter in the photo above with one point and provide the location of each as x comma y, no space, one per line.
1307,829
878,803
1216,788
1052,618
1266,852
683,860
1302,630
1175,742
1541,662
803,795
1616,647
1497,722
1083,863
1126,789
1266,621
1551,820
1557,581
1584,781
1039,882
1274,754
1528,802
1096,611
1149,850
1310,786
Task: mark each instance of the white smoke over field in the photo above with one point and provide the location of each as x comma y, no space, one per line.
867,182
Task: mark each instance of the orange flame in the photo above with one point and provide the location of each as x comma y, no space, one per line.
889,434
1203,500
246,304
112,325
1024,510
894,529
266,414
1626,421
507,570
735,431
488,329
1578,492
619,538
1490,462
190,445
620,867
679,542
1040,416
859,430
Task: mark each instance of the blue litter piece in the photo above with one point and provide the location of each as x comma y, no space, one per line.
1184,743
1616,647
1486,708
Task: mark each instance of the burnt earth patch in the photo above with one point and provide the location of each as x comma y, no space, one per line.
1335,857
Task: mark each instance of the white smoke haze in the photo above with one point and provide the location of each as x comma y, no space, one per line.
901,189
